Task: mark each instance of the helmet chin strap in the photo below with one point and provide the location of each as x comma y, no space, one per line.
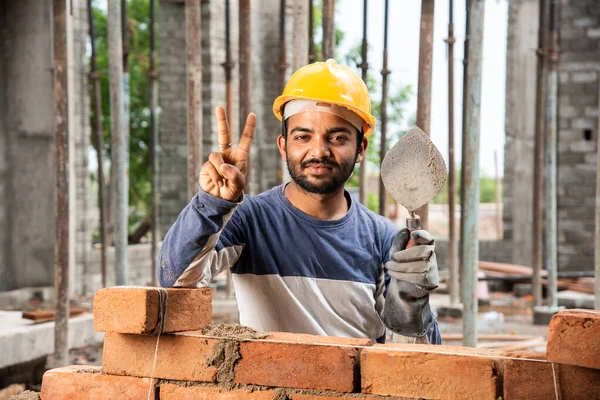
297,106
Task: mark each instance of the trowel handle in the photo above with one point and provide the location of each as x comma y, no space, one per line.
413,222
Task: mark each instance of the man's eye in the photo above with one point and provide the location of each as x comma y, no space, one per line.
299,137
340,138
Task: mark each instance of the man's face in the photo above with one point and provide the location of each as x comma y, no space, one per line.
320,151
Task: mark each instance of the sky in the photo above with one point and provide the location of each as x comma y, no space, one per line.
403,61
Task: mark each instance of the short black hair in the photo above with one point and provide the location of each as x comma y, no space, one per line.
359,137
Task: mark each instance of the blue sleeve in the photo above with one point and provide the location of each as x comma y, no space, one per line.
434,333
188,236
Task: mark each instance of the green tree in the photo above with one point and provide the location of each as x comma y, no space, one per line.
138,31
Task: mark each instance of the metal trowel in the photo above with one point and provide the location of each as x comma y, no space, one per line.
413,172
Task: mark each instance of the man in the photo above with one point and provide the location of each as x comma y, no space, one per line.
304,256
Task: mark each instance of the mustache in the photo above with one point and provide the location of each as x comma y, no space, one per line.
314,161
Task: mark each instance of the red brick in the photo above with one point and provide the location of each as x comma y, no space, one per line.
69,383
174,392
179,357
335,396
301,361
534,380
430,371
574,338
135,309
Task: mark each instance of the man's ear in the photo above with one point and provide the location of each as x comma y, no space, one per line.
281,145
363,150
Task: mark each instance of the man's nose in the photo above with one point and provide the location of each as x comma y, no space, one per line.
320,148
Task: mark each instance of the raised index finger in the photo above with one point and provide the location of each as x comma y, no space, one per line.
223,132
248,133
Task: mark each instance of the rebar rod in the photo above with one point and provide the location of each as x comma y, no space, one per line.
452,242
364,66
98,140
538,157
384,95
154,144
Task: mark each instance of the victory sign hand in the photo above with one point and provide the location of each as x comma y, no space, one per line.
224,174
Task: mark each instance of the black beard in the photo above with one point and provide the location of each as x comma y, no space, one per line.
328,186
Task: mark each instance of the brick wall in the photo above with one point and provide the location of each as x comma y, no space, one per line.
579,46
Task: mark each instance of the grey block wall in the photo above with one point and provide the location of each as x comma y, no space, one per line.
265,51
579,50
579,45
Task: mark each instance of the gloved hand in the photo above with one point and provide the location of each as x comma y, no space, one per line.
413,273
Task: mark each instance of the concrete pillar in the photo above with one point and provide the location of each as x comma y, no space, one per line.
520,118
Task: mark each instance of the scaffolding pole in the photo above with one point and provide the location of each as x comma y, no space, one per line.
452,242
312,53
424,84
193,41
300,35
281,68
228,67
597,247
328,45
245,83
364,66
154,143
550,190
384,95
61,221
98,139
119,139
465,90
538,157
470,242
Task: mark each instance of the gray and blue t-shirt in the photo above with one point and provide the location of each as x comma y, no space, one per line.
291,272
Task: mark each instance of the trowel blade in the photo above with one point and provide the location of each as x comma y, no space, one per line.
413,171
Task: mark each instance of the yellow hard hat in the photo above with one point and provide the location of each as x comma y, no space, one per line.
331,83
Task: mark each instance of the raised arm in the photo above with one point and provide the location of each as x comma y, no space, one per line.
188,251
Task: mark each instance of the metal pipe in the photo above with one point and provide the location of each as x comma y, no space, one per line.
98,139
228,64
281,67
452,242
312,54
597,247
550,188
538,157
328,45
245,83
119,139
463,143
470,240
123,203
384,94
364,66
497,196
193,40
424,84
61,222
228,67
154,143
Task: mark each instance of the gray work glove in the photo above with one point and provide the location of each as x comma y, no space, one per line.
413,274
